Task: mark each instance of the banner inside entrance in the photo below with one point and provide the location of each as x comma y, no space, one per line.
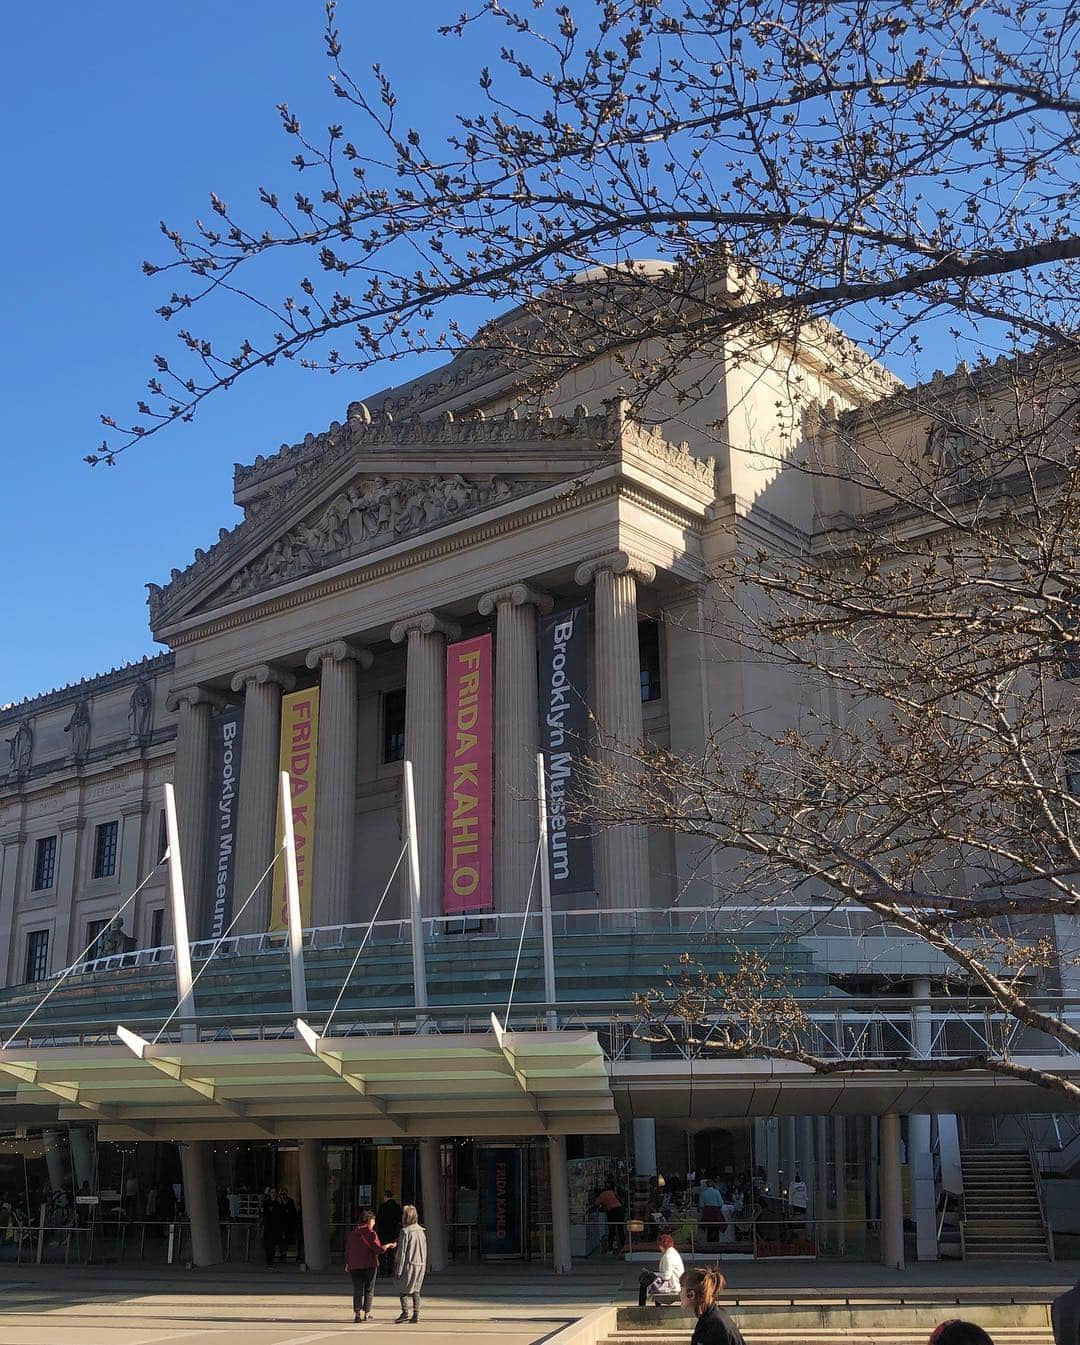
468,882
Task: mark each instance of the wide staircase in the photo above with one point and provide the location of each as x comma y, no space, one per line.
843,1323
1003,1213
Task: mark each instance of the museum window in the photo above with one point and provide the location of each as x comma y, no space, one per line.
94,931
37,955
44,863
157,927
162,836
393,734
105,849
648,638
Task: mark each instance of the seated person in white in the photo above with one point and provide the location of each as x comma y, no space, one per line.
667,1278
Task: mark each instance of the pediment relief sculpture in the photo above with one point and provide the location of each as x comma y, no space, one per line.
372,512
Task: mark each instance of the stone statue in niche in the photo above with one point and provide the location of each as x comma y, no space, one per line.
141,709
21,748
113,940
79,728
371,510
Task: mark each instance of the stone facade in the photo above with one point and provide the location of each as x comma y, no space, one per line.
442,508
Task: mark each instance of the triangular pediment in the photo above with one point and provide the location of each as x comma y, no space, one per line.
376,486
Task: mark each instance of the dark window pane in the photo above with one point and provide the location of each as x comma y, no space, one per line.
649,658
105,849
1070,654
394,725
94,931
44,863
162,837
37,955
157,927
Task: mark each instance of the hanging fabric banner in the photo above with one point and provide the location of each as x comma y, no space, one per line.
299,751
226,740
502,1200
564,741
467,885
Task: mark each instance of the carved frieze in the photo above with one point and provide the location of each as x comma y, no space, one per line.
372,512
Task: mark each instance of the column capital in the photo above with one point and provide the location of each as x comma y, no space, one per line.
193,696
426,623
263,674
517,595
618,562
339,651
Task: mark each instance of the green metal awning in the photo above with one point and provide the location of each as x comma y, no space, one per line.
308,1086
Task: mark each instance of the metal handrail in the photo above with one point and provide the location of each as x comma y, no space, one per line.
787,920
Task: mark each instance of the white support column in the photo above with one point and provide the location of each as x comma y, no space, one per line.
516,737
333,902
411,828
81,1141
624,881
821,1184
314,1206
54,1161
191,781
432,1211
256,815
645,1146
920,1153
425,740
559,1181
196,1158
891,1187
544,865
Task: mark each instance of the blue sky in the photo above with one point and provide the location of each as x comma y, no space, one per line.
119,114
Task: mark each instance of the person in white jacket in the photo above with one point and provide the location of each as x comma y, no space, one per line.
667,1278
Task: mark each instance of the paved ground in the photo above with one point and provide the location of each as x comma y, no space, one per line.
507,1305
106,1306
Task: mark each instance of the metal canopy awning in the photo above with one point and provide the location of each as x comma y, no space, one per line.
309,1086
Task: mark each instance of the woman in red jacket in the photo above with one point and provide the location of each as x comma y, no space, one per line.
362,1252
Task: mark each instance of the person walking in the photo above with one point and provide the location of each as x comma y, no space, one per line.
410,1264
700,1290
1065,1316
611,1205
667,1277
362,1251
388,1225
271,1225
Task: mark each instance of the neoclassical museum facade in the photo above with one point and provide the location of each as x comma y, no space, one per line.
456,578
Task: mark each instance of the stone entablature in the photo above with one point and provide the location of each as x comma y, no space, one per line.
86,724
368,484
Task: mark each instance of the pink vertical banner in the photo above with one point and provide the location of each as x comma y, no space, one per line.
467,884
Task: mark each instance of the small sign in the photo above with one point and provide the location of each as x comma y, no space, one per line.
87,1200
363,1195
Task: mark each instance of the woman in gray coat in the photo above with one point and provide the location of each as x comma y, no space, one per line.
410,1263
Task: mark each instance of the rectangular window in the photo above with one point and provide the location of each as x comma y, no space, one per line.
105,849
44,863
393,736
37,955
157,927
162,837
648,636
94,931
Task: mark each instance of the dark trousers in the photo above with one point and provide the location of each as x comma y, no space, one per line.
644,1280
363,1287
410,1301
616,1229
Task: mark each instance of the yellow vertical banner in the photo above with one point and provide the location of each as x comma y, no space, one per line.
388,1173
299,751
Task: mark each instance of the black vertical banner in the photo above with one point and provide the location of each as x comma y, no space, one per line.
564,740
226,740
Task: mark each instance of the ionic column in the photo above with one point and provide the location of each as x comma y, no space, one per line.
425,740
11,850
561,1238
617,700
256,823
335,808
431,1191
516,738
313,1205
193,706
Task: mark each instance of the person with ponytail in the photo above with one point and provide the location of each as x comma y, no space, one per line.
701,1288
